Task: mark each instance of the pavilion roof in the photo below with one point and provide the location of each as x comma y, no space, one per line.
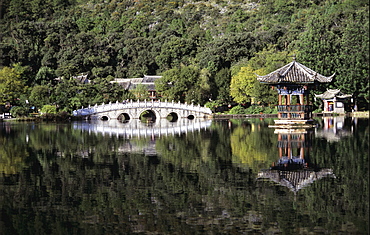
132,83
295,180
294,73
331,93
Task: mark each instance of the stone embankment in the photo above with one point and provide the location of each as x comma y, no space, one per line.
228,116
364,114
360,114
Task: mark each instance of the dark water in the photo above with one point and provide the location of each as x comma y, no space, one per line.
213,177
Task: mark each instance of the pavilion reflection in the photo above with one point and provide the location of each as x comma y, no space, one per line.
293,168
335,128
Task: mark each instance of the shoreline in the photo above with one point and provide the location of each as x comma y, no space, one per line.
363,114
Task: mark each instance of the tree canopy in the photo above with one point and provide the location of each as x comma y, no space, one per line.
11,84
127,39
244,86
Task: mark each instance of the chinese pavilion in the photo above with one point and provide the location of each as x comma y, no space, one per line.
293,83
334,101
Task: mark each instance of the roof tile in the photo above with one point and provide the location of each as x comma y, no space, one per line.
294,72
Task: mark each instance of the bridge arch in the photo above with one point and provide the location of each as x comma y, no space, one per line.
148,115
172,117
104,118
137,113
123,117
191,117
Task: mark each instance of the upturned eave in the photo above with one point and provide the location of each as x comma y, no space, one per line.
294,73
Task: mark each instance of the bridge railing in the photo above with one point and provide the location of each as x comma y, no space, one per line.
139,104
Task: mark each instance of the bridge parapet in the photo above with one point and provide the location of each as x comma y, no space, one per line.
126,105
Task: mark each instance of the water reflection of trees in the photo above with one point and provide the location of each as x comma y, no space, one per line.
76,182
251,143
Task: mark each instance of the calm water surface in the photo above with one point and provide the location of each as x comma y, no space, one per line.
190,177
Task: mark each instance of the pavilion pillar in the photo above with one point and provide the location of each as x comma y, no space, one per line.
289,100
301,99
279,103
280,153
302,153
307,98
301,102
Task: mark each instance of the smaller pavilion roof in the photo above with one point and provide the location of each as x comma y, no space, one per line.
294,73
331,93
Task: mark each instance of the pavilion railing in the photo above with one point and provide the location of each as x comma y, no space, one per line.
294,111
294,108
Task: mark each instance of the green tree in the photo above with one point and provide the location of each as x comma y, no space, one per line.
49,109
138,57
44,76
19,111
178,84
200,92
105,91
353,74
244,85
222,82
140,92
227,50
11,85
40,95
175,51
64,91
335,41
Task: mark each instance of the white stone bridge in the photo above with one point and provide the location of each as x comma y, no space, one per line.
127,110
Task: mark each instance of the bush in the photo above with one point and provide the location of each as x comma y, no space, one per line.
317,111
48,109
19,111
63,115
237,110
255,109
269,110
213,105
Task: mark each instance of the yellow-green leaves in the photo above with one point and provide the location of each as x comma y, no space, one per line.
11,85
242,84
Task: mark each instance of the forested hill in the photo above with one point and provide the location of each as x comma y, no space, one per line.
130,38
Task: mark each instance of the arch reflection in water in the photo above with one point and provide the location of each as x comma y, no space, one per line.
293,169
136,128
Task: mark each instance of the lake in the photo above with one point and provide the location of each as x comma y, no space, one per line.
236,176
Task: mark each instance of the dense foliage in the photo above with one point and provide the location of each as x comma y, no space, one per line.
107,39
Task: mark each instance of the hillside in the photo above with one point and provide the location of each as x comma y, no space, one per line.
106,39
